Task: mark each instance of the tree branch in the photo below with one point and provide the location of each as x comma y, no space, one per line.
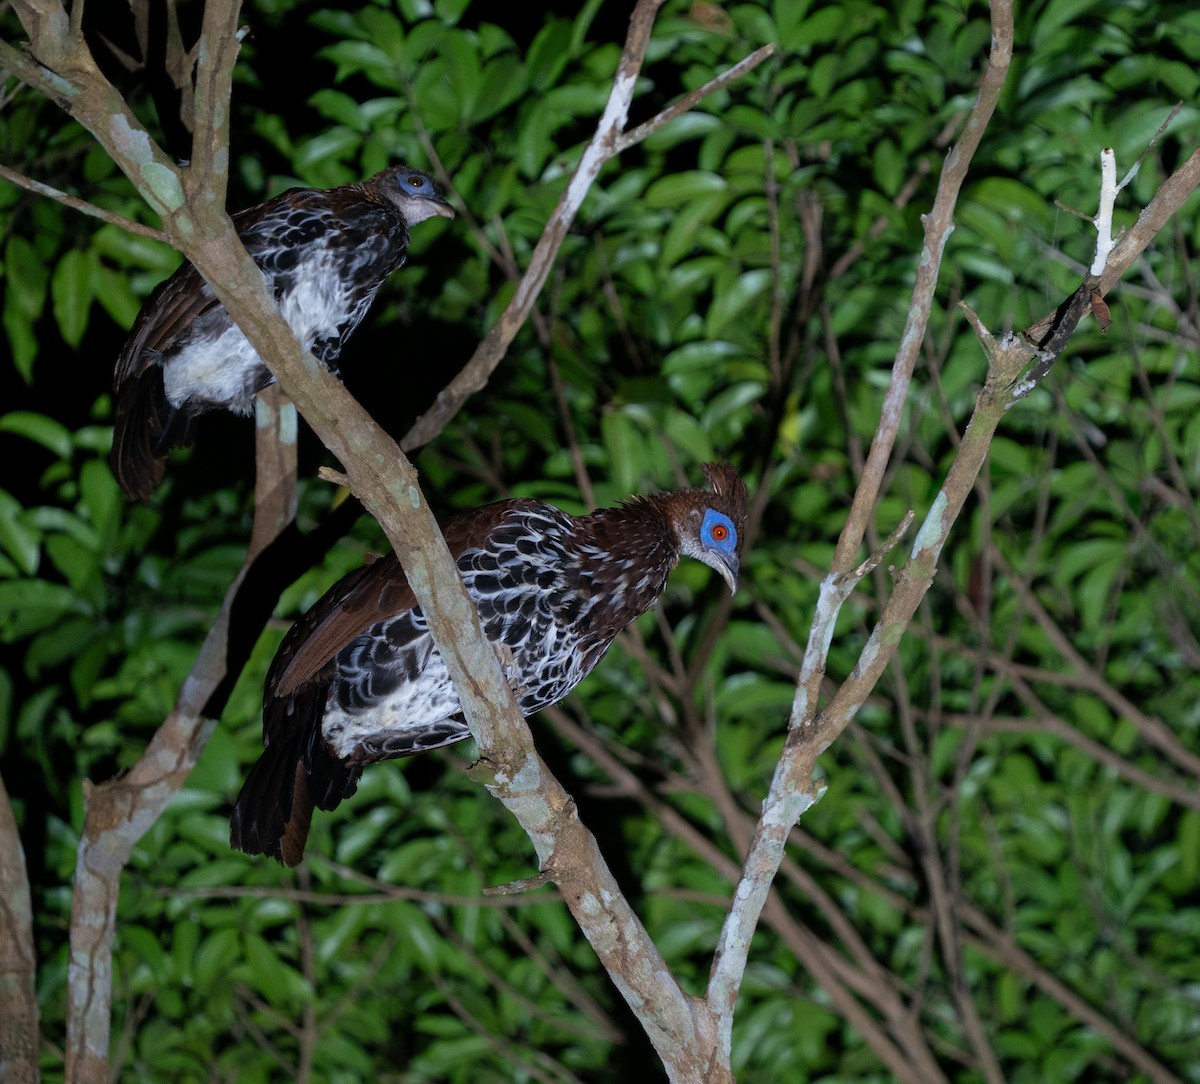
607,142
792,790
809,734
82,206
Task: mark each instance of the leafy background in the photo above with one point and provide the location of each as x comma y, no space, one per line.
734,287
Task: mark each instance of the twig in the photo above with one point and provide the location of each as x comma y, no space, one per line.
383,894
537,1065
607,142
336,477
1103,220
82,206
677,109
1002,946
515,888
310,1030
1051,332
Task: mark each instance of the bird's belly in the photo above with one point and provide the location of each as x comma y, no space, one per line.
220,369
393,704
409,718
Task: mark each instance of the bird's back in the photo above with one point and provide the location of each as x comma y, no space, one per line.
324,253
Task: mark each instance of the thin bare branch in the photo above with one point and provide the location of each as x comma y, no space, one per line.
692,99
82,206
792,790
607,142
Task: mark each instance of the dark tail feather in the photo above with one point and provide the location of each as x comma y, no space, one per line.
295,774
274,809
147,428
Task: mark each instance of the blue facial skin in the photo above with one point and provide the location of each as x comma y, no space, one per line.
418,185
712,519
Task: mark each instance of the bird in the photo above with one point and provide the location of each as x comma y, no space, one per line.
325,254
358,678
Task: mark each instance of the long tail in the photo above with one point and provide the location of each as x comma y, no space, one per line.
295,775
274,808
147,428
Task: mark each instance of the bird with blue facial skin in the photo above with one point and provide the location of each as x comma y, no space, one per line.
358,679
325,254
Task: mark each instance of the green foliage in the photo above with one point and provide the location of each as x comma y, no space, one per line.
735,287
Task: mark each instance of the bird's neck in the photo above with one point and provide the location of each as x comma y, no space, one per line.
633,549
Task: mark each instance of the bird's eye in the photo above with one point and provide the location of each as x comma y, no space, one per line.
416,180
717,531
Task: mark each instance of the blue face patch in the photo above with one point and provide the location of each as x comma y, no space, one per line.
418,184
717,532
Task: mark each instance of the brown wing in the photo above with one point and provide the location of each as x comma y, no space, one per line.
171,308
358,600
297,770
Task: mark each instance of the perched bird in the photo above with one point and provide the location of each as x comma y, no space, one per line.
325,253
358,679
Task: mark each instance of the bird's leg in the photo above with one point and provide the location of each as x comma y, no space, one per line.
326,351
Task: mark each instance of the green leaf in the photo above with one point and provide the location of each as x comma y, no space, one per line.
270,975
790,16
678,188
28,606
72,290
25,281
20,538
43,430
549,53
732,301
102,498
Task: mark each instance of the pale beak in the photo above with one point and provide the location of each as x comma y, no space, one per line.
727,566
441,207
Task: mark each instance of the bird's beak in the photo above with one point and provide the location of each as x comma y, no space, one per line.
441,207
727,566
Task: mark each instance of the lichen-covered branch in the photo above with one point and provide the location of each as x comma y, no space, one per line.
1014,363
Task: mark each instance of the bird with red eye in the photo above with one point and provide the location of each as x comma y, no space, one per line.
358,679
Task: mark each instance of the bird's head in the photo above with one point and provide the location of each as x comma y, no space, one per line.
711,522
414,193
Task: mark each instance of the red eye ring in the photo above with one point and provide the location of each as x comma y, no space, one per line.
719,533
